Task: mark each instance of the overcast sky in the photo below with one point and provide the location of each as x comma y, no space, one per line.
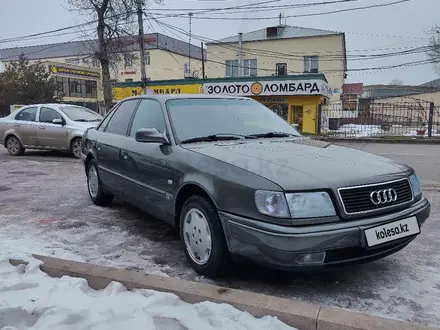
372,31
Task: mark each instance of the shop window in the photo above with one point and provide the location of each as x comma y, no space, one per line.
147,58
78,88
281,69
231,68
250,67
89,88
72,88
311,64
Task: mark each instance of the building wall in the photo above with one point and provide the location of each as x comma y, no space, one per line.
323,46
163,65
428,97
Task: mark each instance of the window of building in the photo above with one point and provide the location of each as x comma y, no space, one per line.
89,87
128,80
311,64
147,58
73,60
231,68
28,114
128,60
78,87
47,115
281,69
250,67
118,123
148,115
95,63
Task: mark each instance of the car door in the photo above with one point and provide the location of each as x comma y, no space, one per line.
25,126
145,164
50,135
110,143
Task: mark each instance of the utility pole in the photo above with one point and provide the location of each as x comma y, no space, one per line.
203,61
140,16
189,43
240,54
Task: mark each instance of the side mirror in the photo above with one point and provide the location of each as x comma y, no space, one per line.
150,135
58,121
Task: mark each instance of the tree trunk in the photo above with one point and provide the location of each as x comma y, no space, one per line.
105,65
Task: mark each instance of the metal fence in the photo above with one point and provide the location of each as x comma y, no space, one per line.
379,118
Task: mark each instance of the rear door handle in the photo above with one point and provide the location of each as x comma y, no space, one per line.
16,125
42,127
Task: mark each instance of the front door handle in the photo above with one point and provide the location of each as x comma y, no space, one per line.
42,127
124,154
16,125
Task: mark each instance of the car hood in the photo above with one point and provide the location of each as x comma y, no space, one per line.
303,163
84,125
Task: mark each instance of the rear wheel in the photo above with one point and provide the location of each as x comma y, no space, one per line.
14,146
75,147
96,193
202,237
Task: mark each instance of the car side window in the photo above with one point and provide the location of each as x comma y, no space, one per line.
148,115
118,123
48,114
28,114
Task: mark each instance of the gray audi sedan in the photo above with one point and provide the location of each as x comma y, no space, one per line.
237,181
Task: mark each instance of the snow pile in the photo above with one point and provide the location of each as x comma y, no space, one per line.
356,130
30,299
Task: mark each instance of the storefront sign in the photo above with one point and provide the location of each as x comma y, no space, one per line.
283,87
120,93
72,72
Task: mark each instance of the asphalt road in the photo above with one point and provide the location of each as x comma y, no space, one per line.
44,201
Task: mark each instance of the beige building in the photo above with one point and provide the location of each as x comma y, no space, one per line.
78,71
281,50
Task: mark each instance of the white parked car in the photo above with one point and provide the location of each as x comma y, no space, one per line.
47,127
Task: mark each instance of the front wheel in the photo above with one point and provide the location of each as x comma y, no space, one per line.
96,193
202,237
75,147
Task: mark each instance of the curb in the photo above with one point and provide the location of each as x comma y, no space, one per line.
297,314
389,141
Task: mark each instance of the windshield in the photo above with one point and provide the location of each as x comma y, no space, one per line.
194,118
78,113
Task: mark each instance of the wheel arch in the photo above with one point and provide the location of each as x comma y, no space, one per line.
185,191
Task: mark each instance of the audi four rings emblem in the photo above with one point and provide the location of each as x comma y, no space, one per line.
383,196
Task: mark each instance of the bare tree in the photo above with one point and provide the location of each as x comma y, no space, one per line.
114,22
396,82
433,50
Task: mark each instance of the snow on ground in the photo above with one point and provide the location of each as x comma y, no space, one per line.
30,299
356,130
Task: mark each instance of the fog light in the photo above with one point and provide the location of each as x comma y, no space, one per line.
310,258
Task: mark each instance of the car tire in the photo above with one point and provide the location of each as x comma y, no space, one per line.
194,231
14,146
75,147
94,187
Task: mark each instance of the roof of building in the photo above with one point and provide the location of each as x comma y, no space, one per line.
433,83
89,47
282,32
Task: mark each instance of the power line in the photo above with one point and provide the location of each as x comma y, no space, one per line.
290,16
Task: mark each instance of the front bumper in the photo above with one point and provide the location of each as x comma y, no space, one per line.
344,242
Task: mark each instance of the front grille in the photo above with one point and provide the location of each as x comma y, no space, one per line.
357,199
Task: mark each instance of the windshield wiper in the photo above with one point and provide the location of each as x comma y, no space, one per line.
214,137
269,134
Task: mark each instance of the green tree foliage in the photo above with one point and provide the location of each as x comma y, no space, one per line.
23,82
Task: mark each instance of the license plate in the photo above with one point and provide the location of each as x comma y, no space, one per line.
392,231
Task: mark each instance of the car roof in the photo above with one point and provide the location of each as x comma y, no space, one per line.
49,105
165,97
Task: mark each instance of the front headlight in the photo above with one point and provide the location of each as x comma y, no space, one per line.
415,185
310,205
272,203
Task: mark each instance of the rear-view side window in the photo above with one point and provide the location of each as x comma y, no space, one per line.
118,123
148,115
28,114
102,125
